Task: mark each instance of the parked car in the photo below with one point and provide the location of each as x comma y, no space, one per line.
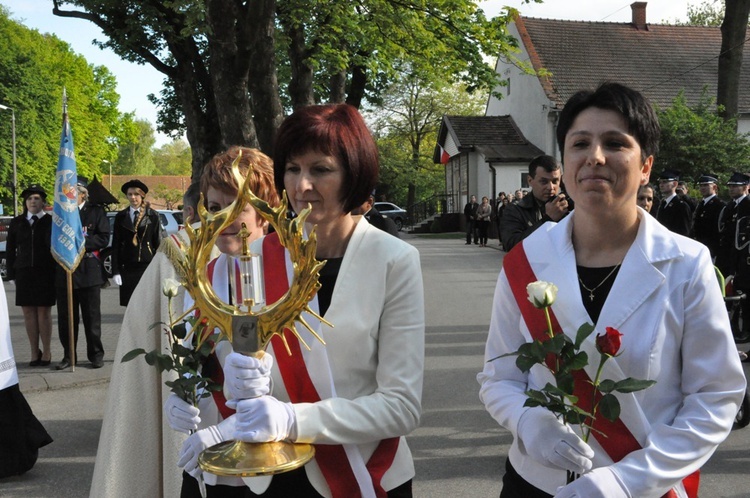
4,224
171,222
393,212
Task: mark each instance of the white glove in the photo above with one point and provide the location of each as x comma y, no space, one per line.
181,415
264,419
599,483
246,376
550,442
117,279
204,438
12,282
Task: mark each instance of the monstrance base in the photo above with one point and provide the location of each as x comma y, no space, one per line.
236,458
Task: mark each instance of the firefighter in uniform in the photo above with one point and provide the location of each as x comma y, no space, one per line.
706,215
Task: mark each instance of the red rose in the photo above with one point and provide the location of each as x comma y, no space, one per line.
609,342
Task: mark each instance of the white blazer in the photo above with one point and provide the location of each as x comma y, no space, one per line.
667,304
376,355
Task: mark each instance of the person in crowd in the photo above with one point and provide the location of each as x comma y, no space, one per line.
517,196
374,218
706,214
470,215
362,404
736,209
31,266
645,198
152,452
683,190
484,213
21,433
545,203
88,279
673,212
136,234
500,211
190,202
734,246
614,267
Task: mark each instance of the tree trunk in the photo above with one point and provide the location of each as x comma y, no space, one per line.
357,85
264,85
733,30
229,67
337,88
301,82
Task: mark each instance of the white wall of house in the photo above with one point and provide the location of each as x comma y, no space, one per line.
509,175
529,106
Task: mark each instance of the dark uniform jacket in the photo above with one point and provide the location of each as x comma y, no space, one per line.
384,223
728,254
29,247
675,215
96,234
124,251
706,224
519,220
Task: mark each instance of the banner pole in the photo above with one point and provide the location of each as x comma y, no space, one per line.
71,336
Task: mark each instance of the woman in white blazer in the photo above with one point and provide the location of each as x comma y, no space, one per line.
358,396
615,266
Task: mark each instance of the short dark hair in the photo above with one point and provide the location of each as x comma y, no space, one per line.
192,195
337,130
631,104
549,164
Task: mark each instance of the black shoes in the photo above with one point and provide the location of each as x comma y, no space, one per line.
97,364
65,363
38,361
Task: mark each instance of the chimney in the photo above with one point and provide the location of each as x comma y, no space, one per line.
639,15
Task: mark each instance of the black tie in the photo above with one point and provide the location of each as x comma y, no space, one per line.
135,216
34,218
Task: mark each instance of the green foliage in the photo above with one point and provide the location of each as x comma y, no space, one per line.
173,158
135,157
172,196
708,13
695,139
405,124
34,69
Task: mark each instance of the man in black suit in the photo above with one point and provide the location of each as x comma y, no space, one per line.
470,213
735,242
706,214
674,213
87,283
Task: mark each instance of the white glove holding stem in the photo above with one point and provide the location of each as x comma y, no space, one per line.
181,415
204,438
547,440
599,483
247,376
264,419
117,279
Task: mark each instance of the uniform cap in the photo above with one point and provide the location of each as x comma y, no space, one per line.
134,184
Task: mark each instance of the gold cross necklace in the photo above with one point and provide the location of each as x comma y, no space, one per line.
591,291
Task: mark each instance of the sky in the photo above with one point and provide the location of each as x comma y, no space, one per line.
135,82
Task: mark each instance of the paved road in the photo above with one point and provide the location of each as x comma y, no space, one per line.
458,450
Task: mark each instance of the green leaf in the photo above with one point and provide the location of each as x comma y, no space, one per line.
157,325
524,363
630,385
584,331
179,330
606,386
609,407
580,360
135,353
565,382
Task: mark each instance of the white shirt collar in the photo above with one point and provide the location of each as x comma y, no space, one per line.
38,215
706,200
669,199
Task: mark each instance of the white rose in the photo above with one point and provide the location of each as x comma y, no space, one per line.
542,294
170,287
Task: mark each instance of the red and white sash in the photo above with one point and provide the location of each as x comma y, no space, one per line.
614,437
307,378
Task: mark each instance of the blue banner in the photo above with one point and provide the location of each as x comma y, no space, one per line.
68,243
